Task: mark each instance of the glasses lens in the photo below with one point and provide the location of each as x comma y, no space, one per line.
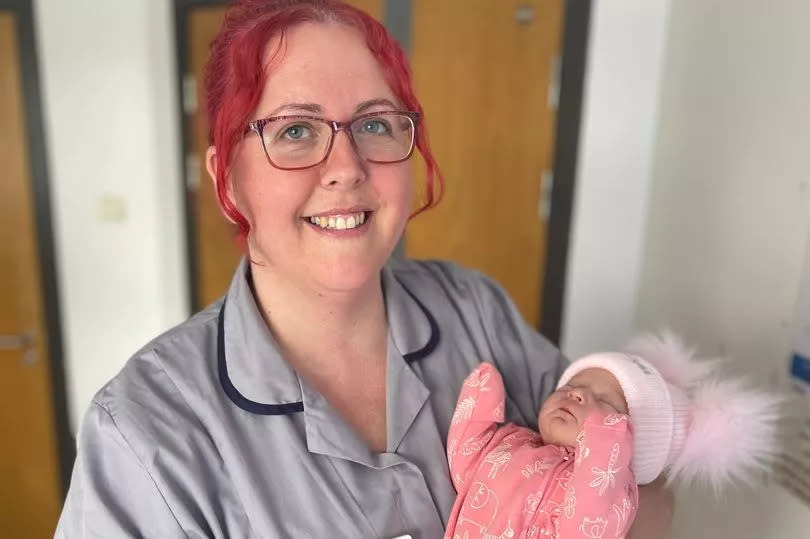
384,138
296,142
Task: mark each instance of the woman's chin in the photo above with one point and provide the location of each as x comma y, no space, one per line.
345,277
324,271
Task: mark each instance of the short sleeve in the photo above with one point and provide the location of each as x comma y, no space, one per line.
529,363
111,493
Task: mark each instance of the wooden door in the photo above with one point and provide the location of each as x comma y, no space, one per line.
483,71
30,492
215,247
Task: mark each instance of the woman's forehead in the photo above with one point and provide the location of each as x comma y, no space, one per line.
324,64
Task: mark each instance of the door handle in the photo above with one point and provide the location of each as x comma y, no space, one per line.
22,341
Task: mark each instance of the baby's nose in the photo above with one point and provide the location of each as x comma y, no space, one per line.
577,395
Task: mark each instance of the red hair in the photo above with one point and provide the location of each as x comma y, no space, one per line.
236,73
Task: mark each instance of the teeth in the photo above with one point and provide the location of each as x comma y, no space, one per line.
339,222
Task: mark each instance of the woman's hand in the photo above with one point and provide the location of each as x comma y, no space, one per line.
656,505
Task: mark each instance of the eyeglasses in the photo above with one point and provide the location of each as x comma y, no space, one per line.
298,142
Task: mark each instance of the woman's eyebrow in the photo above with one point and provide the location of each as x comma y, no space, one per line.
314,108
365,105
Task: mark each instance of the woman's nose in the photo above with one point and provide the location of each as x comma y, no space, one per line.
343,167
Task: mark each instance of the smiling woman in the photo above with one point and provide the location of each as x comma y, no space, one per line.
275,202
317,395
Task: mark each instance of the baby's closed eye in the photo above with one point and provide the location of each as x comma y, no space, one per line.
612,406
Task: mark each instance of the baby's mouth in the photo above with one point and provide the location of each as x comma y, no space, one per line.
569,412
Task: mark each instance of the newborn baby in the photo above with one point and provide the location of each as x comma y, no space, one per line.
616,420
573,479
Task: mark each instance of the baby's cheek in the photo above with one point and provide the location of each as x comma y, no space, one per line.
541,415
544,427
551,403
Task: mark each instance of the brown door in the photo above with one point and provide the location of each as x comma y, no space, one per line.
30,492
216,250
215,247
483,71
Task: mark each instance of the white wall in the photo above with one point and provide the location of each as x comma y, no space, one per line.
110,117
729,212
693,201
618,131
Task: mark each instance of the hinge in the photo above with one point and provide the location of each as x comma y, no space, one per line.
189,93
192,172
554,83
546,188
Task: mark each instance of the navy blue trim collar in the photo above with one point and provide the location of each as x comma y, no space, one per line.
435,334
260,408
227,385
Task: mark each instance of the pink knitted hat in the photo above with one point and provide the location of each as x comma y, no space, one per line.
687,420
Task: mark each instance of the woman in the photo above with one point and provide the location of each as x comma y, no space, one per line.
315,399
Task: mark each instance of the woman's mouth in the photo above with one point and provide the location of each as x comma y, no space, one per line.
347,221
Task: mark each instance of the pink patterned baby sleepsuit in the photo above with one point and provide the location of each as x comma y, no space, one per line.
510,485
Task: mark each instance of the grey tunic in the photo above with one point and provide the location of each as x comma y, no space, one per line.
207,432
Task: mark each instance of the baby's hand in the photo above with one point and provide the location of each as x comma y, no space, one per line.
600,428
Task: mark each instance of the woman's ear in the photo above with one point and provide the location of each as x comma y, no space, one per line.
211,163
211,166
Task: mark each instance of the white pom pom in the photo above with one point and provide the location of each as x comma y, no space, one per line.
732,436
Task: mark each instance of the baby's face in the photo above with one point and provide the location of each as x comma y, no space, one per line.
563,414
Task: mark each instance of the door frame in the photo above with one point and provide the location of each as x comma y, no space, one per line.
576,28
181,10
40,181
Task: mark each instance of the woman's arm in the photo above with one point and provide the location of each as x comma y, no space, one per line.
655,509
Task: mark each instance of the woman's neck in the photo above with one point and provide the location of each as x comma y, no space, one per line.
319,330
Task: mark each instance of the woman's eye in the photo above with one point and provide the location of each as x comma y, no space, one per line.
376,127
296,132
